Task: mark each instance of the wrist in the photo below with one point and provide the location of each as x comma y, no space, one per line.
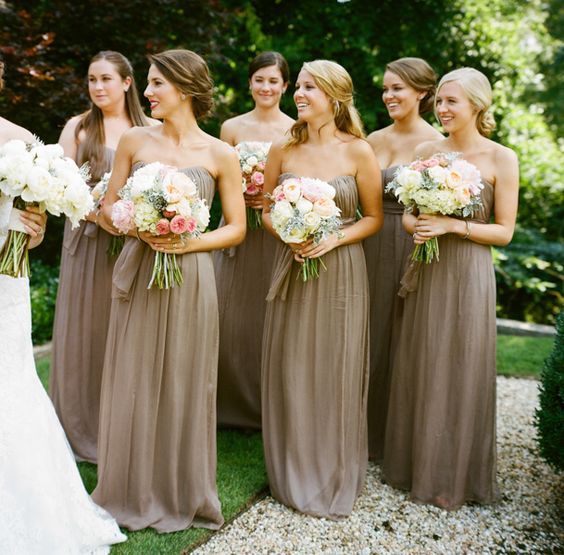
459,228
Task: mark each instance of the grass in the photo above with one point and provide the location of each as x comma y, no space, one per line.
522,357
241,475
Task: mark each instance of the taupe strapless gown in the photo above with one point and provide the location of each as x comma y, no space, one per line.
315,376
242,275
440,433
157,441
80,327
387,256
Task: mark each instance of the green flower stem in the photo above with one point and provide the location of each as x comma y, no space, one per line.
116,245
254,218
14,259
310,268
426,252
166,271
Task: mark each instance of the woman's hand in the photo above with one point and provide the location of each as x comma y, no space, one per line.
310,249
254,201
428,226
170,243
34,222
101,220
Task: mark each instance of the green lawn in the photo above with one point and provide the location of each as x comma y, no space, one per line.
522,357
241,476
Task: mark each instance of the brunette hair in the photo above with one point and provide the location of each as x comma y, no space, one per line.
419,75
92,121
334,80
189,73
479,92
267,59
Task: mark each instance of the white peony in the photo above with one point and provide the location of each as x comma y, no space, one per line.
304,206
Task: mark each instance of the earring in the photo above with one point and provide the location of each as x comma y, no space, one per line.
183,96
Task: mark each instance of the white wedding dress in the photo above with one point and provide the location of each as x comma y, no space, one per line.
44,508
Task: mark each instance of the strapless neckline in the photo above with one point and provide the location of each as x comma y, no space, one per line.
141,163
311,177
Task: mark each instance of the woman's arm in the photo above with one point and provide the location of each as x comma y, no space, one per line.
272,171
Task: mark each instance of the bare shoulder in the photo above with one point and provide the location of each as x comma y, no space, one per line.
10,131
153,122
360,148
428,148
220,151
376,138
503,154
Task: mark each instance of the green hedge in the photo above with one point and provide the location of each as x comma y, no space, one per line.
530,278
550,415
44,281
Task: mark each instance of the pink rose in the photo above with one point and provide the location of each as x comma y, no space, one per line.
191,225
163,226
325,208
123,213
278,194
252,190
179,224
257,178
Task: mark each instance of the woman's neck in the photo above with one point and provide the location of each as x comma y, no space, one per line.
408,124
322,132
465,140
266,114
180,127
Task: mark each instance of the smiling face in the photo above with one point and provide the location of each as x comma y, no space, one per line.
105,85
163,96
267,86
400,99
453,108
310,100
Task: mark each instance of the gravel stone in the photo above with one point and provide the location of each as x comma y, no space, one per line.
527,519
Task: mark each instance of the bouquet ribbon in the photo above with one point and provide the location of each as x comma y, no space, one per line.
126,269
72,239
410,279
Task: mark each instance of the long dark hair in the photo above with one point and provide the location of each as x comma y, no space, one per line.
92,121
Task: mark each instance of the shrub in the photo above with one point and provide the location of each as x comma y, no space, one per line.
550,416
44,282
530,276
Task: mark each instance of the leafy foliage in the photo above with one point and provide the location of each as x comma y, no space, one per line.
530,278
550,415
44,282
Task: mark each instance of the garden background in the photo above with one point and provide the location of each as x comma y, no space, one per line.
47,44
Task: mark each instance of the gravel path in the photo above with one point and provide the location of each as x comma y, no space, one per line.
525,520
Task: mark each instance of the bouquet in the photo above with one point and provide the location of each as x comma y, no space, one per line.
252,157
162,200
39,174
444,184
304,208
99,193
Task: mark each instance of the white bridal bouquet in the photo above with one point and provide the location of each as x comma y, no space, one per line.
252,157
443,184
39,174
161,200
304,208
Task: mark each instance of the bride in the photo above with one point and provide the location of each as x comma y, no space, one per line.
44,507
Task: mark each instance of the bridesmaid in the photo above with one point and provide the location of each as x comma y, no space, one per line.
157,441
243,274
409,89
83,299
440,434
315,346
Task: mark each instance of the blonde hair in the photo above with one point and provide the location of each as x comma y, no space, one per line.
419,75
334,80
189,73
479,92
